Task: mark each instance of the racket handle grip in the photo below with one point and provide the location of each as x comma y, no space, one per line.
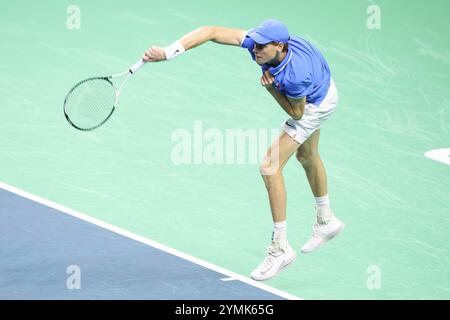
135,67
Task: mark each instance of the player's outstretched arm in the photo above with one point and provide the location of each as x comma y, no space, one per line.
222,35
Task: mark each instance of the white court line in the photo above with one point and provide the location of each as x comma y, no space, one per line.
441,155
147,241
227,279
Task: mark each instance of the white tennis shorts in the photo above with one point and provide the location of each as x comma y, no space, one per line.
313,117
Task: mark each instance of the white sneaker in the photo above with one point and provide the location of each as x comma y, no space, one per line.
322,233
279,255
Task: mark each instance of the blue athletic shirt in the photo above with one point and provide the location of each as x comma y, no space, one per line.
303,72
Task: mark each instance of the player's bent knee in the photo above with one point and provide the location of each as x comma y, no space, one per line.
269,169
307,158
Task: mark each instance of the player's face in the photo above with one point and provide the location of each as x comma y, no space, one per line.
265,53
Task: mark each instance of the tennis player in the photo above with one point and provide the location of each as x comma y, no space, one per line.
296,74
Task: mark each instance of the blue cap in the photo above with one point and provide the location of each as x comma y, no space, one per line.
270,30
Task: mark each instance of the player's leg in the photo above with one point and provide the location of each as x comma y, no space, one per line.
271,171
279,253
308,156
327,225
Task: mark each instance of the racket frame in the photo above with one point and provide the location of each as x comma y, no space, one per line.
133,69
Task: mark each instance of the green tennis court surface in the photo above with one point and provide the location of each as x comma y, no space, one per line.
394,107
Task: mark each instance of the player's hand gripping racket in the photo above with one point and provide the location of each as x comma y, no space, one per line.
91,102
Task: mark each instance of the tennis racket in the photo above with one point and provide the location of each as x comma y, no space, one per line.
91,102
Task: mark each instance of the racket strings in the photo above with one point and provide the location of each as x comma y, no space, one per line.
90,103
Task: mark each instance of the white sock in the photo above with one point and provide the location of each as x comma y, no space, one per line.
279,233
280,226
324,214
322,201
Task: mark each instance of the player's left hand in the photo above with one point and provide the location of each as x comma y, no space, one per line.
267,80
